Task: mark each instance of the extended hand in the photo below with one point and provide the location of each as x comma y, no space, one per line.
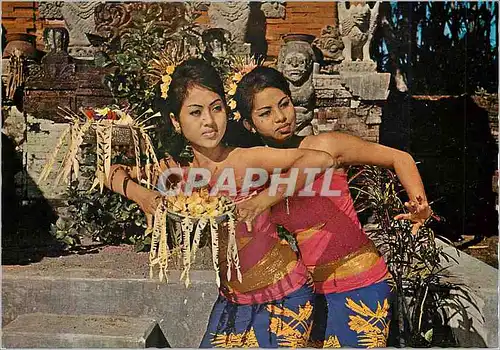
419,211
148,200
249,209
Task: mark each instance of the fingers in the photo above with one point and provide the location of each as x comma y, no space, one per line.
403,217
149,221
415,228
412,206
249,226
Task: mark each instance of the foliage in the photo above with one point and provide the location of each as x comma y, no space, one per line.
446,36
415,261
105,217
108,217
133,53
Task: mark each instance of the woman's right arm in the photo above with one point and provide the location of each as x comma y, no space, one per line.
122,179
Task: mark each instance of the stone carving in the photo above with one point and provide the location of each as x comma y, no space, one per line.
330,44
115,19
56,39
78,83
295,61
216,42
79,20
50,9
233,17
357,25
273,9
56,65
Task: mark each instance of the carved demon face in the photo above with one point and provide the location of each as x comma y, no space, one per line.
297,67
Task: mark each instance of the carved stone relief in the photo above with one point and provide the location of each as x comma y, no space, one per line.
233,17
79,20
273,9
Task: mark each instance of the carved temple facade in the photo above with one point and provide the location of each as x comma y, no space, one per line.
331,92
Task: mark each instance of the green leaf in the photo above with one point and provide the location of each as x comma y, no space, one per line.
428,335
68,240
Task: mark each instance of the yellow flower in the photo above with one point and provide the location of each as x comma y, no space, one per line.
170,69
232,104
237,77
232,89
164,90
102,111
236,116
166,78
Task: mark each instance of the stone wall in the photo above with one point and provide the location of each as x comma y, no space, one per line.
24,17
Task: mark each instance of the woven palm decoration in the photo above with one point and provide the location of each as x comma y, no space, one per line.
101,122
189,217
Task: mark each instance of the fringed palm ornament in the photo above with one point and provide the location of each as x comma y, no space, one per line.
201,213
102,122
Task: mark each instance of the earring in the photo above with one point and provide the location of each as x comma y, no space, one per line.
253,131
177,129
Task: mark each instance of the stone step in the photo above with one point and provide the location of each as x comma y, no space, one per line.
182,313
39,330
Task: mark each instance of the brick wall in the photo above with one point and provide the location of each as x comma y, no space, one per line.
301,17
19,16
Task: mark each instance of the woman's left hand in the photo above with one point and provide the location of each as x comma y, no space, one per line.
419,211
249,209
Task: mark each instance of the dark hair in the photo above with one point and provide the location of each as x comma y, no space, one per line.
191,72
257,80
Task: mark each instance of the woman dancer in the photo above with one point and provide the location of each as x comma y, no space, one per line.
272,306
350,276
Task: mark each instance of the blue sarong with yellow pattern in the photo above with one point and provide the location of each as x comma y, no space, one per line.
281,323
358,318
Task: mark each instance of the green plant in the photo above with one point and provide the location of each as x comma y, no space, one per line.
133,52
422,288
105,217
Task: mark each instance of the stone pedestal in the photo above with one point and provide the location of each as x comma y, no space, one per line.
350,102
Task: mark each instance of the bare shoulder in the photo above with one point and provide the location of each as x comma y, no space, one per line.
321,142
239,152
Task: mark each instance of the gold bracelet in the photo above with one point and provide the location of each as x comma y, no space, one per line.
112,177
125,183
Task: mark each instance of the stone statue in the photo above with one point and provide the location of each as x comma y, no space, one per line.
79,19
357,25
295,61
216,42
233,17
330,44
273,9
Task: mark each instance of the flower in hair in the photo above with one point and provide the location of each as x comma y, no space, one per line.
236,116
232,104
165,85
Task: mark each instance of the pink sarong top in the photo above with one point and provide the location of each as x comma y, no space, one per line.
331,240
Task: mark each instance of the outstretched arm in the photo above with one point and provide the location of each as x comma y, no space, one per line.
287,159
351,150
123,180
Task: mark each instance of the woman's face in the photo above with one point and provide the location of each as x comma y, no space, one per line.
203,117
273,114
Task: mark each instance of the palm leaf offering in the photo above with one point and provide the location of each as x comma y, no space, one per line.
101,122
199,213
